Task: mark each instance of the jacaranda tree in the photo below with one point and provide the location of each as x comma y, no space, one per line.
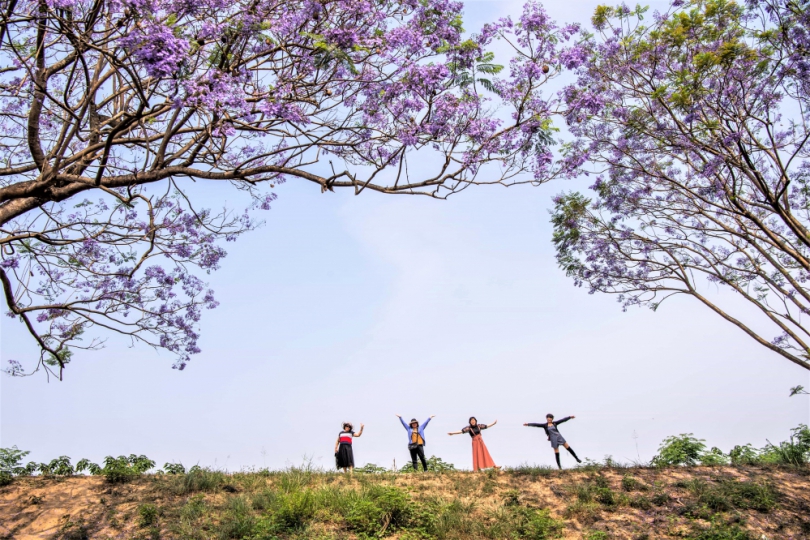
111,109
696,122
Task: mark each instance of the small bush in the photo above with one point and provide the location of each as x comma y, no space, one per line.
714,457
537,524
11,462
372,468
292,511
641,502
728,494
596,535
174,468
434,463
721,531
761,497
511,498
380,510
147,515
683,449
743,455
87,465
660,498
795,451
200,479
630,483
533,471
238,521
5,478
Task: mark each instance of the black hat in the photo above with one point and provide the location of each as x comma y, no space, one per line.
413,421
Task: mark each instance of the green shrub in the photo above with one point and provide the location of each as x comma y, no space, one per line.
762,497
372,468
683,449
533,471
147,515
537,524
596,535
660,498
721,531
200,479
629,483
380,510
795,451
5,478
174,468
727,494
293,510
715,456
11,461
434,463
641,502
87,465
115,470
743,455
61,466
238,520
511,498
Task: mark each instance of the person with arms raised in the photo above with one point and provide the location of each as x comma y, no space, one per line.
344,455
553,434
481,457
416,440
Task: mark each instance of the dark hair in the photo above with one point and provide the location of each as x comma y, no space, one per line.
549,415
471,419
349,425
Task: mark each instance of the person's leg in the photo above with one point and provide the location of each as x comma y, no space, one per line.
421,451
557,456
414,452
572,453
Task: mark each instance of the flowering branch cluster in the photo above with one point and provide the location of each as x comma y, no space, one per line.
698,126
109,107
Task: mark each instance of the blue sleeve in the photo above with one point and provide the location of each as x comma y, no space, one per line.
403,423
425,424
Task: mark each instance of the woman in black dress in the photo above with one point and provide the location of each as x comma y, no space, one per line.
344,456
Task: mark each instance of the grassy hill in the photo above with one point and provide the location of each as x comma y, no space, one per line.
595,503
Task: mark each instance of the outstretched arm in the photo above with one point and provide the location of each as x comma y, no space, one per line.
426,421
492,424
359,432
403,422
532,424
561,420
455,432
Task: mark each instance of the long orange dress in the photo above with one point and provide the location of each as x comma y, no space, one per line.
481,457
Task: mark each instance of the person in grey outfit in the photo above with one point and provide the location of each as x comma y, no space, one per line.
553,434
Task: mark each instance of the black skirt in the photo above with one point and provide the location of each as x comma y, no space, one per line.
344,457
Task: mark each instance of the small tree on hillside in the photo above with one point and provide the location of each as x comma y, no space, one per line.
698,122
111,109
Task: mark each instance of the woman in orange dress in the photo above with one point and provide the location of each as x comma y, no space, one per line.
481,457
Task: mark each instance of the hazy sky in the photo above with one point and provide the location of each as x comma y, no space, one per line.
357,308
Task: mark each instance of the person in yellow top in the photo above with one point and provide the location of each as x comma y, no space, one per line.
416,440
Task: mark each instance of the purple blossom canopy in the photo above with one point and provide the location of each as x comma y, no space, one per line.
110,108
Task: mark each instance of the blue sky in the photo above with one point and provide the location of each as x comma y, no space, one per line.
357,308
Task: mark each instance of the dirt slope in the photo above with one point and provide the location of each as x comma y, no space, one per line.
720,503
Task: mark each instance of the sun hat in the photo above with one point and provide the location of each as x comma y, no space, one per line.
413,421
